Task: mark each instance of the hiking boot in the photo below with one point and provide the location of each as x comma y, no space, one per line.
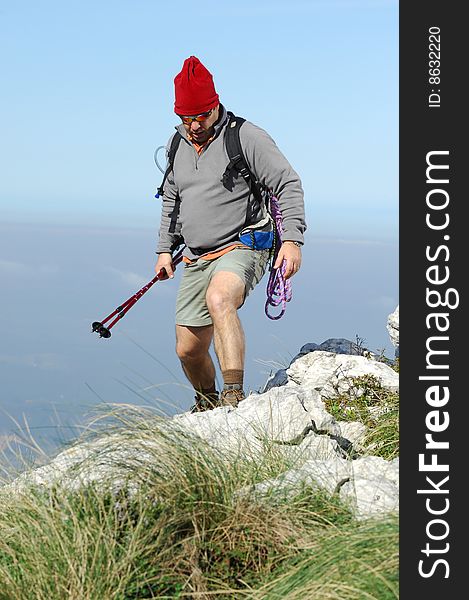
205,402
231,397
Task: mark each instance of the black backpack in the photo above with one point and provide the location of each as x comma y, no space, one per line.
237,164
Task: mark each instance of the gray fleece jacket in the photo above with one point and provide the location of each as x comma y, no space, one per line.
212,216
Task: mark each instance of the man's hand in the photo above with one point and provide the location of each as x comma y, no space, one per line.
291,253
165,261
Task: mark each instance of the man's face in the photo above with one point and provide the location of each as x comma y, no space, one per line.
200,131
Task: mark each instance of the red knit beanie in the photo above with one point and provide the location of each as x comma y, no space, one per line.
194,90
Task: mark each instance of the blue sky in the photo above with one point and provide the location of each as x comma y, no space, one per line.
87,97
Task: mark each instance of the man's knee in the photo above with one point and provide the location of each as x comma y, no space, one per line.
189,352
221,300
191,346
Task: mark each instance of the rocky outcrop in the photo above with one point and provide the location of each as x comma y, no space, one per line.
290,416
331,374
369,484
336,345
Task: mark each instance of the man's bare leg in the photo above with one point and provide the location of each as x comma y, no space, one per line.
225,295
192,348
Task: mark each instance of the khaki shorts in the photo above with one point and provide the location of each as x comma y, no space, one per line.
191,307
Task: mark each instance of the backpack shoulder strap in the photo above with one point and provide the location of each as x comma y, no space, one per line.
171,154
175,140
237,162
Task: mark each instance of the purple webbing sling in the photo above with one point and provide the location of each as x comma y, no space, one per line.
279,290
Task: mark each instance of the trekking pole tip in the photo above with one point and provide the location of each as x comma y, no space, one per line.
98,327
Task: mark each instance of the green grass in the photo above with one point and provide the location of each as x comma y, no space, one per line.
185,531
377,408
353,562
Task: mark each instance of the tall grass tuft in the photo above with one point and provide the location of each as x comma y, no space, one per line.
358,561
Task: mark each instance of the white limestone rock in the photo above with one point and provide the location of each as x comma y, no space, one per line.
373,488
330,374
281,414
370,486
48,475
104,461
370,497
380,468
353,431
393,327
327,474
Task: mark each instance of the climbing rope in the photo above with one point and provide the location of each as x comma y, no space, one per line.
279,289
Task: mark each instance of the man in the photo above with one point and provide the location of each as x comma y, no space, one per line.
219,270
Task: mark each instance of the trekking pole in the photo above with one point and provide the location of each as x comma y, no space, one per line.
121,311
